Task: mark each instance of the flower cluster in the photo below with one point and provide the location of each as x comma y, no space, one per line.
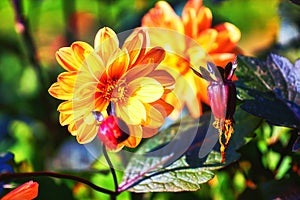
219,42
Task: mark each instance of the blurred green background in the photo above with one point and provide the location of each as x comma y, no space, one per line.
29,124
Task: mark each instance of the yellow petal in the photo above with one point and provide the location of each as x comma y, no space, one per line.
93,67
119,66
145,89
81,51
154,118
56,91
106,42
86,133
66,81
136,45
132,112
66,58
65,119
72,128
207,39
66,107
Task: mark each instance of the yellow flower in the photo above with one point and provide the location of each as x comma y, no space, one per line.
219,42
125,78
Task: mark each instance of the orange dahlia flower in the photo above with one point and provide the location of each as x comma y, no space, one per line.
27,191
125,78
218,42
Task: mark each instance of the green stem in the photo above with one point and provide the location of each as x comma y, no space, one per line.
113,172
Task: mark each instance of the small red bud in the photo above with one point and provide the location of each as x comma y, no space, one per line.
112,132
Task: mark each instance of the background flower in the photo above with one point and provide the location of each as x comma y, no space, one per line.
218,42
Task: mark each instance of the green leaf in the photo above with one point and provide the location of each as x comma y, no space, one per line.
151,170
175,178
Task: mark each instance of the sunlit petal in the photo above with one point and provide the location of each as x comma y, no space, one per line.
81,51
154,118
65,57
119,66
56,91
87,132
106,42
66,81
228,36
146,89
163,15
65,119
136,45
132,112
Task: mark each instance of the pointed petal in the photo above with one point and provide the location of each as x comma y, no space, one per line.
132,112
207,39
86,133
81,51
196,18
66,81
136,44
228,37
153,56
163,15
65,57
66,107
72,128
146,64
135,136
145,89
163,107
139,71
65,119
163,77
154,117
93,67
101,104
28,190
56,91
106,42
119,66
221,59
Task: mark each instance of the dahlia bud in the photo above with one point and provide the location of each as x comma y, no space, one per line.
112,132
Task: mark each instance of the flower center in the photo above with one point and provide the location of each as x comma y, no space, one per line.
113,90
119,93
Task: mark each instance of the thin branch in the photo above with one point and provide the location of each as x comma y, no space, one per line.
9,176
22,28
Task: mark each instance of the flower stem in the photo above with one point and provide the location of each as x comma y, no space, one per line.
111,168
7,176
